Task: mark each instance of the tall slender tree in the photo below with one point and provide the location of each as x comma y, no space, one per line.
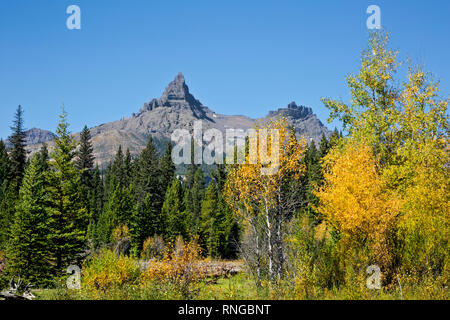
173,212
69,216
29,250
4,167
211,225
166,169
147,177
193,202
85,157
43,158
18,152
5,193
145,223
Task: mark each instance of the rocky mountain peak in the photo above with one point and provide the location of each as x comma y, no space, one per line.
176,94
35,136
293,111
292,105
177,90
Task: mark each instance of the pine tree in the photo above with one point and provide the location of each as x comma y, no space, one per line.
324,146
16,164
18,152
147,220
16,167
118,212
115,174
144,224
192,168
148,176
211,224
230,232
312,177
85,158
69,216
5,195
43,158
29,249
96,195
96,206
4,167
121,205
101,232
166,169
127,168
193,202
173,212
334,138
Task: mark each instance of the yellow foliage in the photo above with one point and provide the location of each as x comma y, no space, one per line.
181,268
108,271
153,247
121,232
248,186
354,200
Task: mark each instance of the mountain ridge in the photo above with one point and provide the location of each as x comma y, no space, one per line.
177,108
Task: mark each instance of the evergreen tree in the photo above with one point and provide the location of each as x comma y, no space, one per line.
147,220
96,195
121,205
127,168
312,177
43,158
118,212
230,232
173,212
18,152
148,177
95,205
85,158
69,217
101,233
7,205
115,175
166,169
4,167
193,202
211,222
324,146
16,164
29,249
5,195
334,138
144,224
192,168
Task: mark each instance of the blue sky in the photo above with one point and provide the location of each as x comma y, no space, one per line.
238,57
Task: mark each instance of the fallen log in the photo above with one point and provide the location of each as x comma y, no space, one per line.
17,291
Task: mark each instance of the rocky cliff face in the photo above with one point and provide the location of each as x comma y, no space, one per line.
304,121
36,136
177,108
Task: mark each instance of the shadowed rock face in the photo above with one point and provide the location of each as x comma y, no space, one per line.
177,108
176,94
36,136
304,121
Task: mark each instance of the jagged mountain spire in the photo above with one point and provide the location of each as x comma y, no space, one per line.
176,94
176,90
